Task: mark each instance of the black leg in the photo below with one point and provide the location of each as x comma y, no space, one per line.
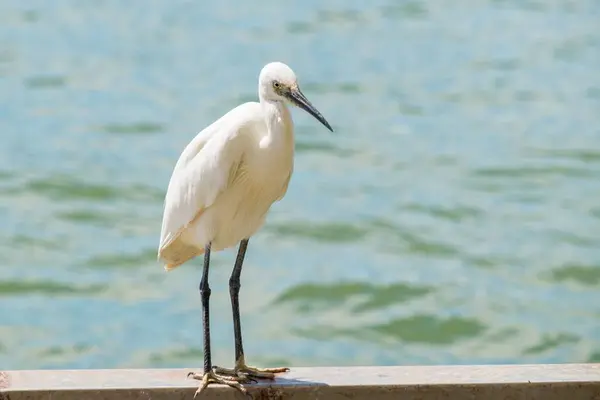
241,373
234,291
205,295
210,375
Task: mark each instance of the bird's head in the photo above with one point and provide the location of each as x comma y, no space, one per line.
277,82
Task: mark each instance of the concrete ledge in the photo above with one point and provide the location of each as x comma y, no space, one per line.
492,382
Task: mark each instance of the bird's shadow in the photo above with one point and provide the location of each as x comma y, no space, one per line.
267,389
281,381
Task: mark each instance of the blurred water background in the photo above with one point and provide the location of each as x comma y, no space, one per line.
453,217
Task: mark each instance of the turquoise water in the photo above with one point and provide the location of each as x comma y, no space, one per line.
453,217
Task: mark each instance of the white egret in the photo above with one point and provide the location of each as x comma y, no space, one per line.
220,191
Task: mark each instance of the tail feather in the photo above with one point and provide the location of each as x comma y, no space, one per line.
176,253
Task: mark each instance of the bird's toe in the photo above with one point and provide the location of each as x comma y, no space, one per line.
260,373
222,376
235,374
277,370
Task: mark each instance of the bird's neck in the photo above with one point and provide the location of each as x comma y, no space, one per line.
280,128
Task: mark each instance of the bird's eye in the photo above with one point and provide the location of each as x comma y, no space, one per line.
276,85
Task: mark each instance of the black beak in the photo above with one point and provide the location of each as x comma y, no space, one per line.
298,98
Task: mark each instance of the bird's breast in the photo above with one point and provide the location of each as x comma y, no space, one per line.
275,158
270,175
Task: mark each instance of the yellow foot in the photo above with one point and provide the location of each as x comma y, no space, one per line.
234,381
242,370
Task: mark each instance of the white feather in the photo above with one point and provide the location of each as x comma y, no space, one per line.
230,174
202,171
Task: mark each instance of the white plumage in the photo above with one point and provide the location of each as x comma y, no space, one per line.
231,173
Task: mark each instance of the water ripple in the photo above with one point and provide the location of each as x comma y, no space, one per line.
121,260
47,288
583,155
586,275
456,214
525,171
428,329
346,88
88,217
404,241
62,352
65,187
46,82
133,129
333,232
188,354
551,342
405,9
418,329
310,296
27,241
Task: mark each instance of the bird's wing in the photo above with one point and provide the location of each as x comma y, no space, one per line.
205,168
285,187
